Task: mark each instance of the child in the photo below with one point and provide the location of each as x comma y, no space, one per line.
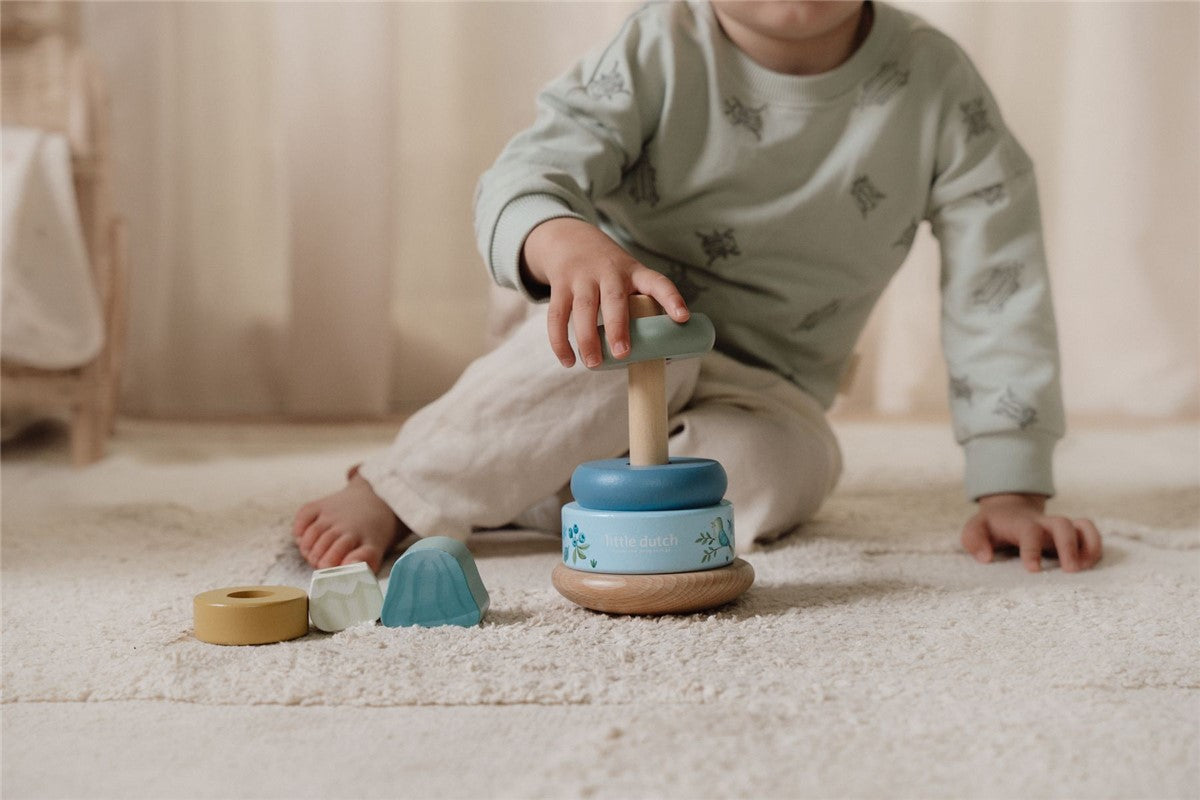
767,163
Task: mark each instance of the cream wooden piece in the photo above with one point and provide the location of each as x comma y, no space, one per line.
647,398
339,597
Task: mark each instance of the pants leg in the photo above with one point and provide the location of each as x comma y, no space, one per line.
781,456
507,435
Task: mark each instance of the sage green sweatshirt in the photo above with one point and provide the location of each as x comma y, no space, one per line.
782,205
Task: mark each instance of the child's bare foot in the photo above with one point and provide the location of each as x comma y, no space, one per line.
351,525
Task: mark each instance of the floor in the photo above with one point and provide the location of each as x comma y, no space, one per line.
871,658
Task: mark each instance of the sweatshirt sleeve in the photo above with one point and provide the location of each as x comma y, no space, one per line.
998,330
590,127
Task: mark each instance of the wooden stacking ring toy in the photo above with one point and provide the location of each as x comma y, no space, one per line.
250,614
651,534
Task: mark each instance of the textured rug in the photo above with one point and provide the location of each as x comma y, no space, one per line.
871,658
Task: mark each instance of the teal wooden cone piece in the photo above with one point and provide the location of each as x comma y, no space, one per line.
435,583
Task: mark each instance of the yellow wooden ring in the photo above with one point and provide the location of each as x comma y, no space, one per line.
251,614
672,593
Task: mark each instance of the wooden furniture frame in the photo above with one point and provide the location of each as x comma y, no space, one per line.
50,83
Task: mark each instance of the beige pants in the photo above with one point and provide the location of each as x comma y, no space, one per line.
500,446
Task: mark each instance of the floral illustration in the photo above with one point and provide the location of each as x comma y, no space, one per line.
576,551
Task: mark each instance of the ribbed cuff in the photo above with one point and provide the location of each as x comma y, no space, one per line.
515,222
1000,463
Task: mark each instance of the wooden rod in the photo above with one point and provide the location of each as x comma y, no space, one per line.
647,398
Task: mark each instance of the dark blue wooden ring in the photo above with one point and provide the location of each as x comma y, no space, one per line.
613,485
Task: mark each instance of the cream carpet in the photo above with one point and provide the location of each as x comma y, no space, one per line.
872,657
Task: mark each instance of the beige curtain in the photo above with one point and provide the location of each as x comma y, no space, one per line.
298,181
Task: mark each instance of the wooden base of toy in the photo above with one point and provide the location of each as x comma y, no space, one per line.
675,593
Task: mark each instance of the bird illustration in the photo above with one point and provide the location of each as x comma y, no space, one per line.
718,526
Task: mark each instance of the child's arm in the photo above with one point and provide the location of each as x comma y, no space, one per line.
536,218
998,331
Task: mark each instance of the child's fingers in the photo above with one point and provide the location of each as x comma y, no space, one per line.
1091,550
1066,543
660,287
587,337
976,541
614,307
1030,542
558,316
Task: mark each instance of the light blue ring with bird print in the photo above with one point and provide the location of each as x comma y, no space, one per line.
613,484
647,542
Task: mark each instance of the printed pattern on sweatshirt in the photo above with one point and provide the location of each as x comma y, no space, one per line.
643,182
976,117
744,116
883,85
866,195
1014,408
720,244
997,286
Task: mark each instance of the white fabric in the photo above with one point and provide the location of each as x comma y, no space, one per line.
515,425
1104,96
872,658
50,310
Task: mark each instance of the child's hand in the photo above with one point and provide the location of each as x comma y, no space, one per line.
586,270
1020,521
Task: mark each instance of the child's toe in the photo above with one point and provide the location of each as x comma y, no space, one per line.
306,516
322,545
336,554
372,555
311,535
